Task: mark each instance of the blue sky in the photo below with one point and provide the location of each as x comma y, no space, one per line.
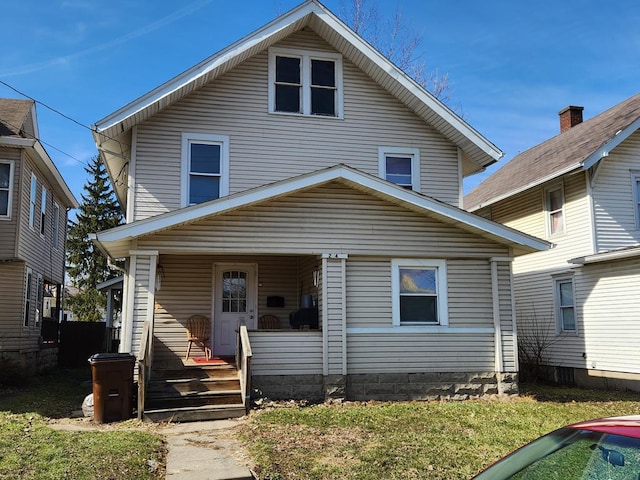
512,65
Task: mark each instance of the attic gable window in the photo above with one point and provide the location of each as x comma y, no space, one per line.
305,82
400,166
205,168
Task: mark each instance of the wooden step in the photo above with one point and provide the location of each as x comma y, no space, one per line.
197,372
190,385
195,414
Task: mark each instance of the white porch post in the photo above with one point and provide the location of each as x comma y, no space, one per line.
503,319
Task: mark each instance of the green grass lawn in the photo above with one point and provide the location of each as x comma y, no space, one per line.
414,440
31,449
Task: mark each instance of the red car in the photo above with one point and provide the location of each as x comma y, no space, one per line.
603,449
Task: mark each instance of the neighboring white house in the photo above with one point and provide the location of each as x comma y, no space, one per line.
299,162
581,191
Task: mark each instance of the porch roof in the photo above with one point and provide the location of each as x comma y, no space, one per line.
116,241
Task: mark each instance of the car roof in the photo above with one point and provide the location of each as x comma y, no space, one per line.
628,426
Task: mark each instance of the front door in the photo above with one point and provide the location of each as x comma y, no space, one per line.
234,300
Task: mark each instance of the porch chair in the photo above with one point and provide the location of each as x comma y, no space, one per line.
199,332
268,322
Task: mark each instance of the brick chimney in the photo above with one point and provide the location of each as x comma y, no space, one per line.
570,117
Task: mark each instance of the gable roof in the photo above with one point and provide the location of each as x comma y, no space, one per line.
578,148
19,129
475,147
117,239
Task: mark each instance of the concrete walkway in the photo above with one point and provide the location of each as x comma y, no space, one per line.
204,451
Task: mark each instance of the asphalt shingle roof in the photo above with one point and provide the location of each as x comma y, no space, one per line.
13,114
554,156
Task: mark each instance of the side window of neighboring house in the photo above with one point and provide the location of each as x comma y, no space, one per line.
55,235
635,187
43,211
419,292
32,201
400,166
554,208
564,304
6,188
27,296
39,299
305,82
205,168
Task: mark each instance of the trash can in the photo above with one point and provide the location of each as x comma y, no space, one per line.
112,375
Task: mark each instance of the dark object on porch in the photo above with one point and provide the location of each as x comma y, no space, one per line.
112,375
199,332
268,322
304,316
275,301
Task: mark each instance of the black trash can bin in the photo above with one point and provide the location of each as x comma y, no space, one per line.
112,375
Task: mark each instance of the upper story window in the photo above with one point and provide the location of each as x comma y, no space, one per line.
43,211
564,304
205,167
6,188
32,201
55,236
554,208
635,186
419,292
305,82
400,166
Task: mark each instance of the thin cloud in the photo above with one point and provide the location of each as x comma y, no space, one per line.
67,59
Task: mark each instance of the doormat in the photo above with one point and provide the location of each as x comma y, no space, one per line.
213,360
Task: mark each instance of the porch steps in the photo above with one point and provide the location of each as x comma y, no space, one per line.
194,393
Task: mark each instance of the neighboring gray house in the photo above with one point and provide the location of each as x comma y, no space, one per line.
581,191
299,168
34,201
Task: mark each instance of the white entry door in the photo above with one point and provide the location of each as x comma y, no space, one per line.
234,300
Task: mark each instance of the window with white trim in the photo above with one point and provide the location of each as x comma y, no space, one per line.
43,211
305,82
419,292
400,166
6,188
635,187
205,167
55,235
32,201
39,299
554,208
28,292
565,308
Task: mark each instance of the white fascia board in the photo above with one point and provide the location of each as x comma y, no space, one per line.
196,212
205,66
540,181
605,149
33,144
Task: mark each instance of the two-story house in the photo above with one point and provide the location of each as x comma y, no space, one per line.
578,303
34,202
299,174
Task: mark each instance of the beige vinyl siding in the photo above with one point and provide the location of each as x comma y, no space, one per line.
428,352
186,290
35,249
329,218
613,202
533,281
266,148
12,281
507,333
140,302
292,352
369,292
610,332
9,227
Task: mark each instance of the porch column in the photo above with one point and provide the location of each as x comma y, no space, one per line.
139,299
504,323
334,325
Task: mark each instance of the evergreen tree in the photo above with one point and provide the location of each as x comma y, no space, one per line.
86,265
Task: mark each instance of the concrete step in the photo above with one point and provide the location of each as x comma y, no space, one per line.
196,413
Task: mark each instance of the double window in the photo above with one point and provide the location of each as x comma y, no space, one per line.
6,186
305,82
554,208
565,304
418,289
32,201
400,166
205,168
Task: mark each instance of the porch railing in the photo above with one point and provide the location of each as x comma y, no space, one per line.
144,366
243,362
